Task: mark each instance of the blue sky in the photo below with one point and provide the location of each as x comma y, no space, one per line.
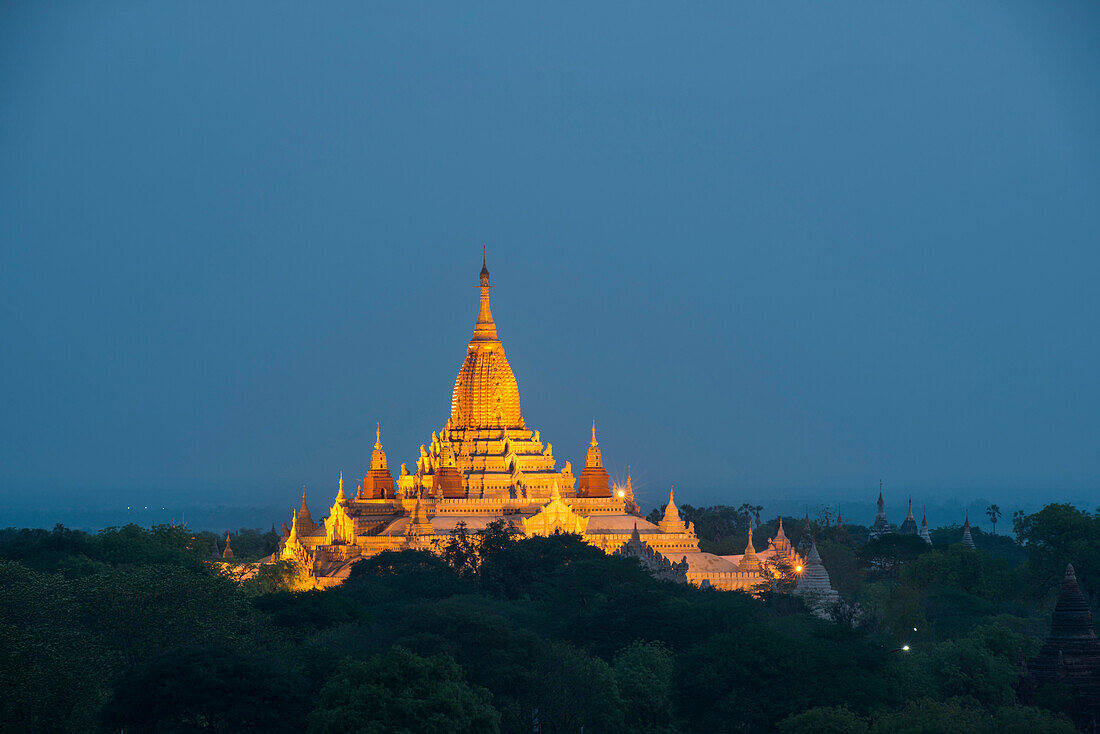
778,252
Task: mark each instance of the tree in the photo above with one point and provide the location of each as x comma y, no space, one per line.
644,672
402,693
824,720
1059,534
53,673
993,512
883,557
214,689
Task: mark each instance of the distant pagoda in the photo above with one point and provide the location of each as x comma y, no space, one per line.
909,525
881,526
924,529
968,539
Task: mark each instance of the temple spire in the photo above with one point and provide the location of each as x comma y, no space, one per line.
340,496
484,329
228,552
749,562
378,456
924,527
671,522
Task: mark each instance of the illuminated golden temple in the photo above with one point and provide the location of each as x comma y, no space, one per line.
487,465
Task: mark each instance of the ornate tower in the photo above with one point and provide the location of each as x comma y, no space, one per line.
909,525
485,450
486,394
881,526
378,483
594,481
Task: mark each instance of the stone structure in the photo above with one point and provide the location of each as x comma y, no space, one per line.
1070,657
487,465
661,567
881,526
815,586
967,540
909,524
228,552
924,529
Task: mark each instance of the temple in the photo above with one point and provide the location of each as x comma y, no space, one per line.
487,465
1069,659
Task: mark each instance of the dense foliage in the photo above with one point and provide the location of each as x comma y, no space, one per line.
143,631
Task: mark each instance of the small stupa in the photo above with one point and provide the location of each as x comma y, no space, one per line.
924,528
968,540
815,585
750,563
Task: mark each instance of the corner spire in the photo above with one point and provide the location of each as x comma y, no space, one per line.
750,563
671,522
378,456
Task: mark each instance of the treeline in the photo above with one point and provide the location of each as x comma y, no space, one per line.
139,631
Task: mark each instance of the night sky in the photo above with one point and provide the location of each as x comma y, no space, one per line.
777,251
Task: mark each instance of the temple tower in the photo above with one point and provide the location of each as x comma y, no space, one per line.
485,394
486,443
305,523
881,526
1071,653
909,525
378,483
593,481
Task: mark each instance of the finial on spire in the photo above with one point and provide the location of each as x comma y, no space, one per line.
484,268
593,433
377,435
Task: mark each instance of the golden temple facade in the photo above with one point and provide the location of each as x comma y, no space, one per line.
487,465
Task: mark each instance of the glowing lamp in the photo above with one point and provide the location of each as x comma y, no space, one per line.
905,648
798,569
622,494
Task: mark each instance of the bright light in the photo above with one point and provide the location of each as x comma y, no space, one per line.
798,569
905,648
622,494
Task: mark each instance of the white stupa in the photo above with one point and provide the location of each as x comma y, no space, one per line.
815,585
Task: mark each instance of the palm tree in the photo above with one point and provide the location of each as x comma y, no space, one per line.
994,514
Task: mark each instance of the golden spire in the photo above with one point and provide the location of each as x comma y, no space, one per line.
749,562
593,457
485,329
671,522
378,456
485,393
340,496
